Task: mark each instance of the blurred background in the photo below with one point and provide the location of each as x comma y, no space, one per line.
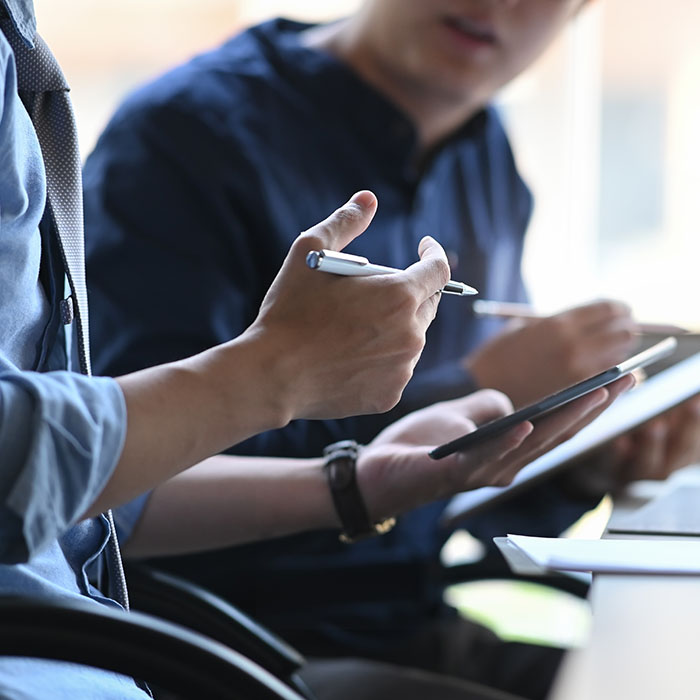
605,130
604,127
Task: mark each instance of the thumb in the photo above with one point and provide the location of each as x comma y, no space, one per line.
484,405
345,223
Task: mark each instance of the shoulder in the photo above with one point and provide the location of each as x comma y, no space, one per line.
223,108
494,137
494,128
228,82
497,157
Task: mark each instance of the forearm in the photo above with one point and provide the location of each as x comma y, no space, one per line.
303,438
181,413
230,500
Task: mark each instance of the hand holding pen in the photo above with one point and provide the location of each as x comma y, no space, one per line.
530,360
356,266
344,348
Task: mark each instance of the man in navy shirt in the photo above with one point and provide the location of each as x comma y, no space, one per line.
194,193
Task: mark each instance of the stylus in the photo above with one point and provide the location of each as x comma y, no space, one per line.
357,266
507,309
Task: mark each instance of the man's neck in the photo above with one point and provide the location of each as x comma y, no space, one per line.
436,116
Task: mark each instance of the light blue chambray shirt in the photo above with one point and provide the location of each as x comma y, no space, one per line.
60,433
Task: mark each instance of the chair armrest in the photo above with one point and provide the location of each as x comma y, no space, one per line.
170,597
136,645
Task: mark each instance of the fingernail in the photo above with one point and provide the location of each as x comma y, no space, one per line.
363,198
602,397
424,243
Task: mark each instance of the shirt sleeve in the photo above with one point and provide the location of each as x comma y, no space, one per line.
61,435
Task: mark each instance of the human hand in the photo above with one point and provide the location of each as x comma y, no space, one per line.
345,346
658,448
532,359
396,474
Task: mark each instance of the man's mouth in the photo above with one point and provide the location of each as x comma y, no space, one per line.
472,30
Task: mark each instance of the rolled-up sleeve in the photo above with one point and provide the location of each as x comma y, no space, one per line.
61,435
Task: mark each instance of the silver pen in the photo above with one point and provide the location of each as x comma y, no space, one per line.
357,266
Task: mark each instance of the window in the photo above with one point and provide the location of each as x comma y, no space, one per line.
605,130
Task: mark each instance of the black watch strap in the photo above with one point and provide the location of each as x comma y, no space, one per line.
340,467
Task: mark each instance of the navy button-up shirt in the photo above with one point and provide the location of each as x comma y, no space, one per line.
193,196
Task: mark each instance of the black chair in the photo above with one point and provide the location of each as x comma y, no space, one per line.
169,597
137,645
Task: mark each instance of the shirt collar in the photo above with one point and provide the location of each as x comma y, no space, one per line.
340,91
22,15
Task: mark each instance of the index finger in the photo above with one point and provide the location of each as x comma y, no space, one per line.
565,422
432,272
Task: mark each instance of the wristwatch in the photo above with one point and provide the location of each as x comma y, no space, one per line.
340,467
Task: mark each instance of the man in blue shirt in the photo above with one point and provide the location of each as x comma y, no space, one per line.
72,446
204,177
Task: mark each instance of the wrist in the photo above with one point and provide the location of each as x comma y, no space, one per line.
340,468
274,377
239,388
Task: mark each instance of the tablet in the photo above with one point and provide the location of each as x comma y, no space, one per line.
658,393
544,406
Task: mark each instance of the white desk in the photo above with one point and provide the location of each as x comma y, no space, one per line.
644,645
645,642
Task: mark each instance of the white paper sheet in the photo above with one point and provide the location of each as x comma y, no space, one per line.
610,555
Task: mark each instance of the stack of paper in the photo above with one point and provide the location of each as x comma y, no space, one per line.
609,555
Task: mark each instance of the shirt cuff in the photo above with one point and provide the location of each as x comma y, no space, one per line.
74,433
